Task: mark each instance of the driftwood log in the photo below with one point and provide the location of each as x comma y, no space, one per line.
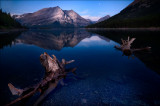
125,47
55,71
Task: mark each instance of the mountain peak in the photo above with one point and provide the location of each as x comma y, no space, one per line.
71,10
57,7
52,17
104,18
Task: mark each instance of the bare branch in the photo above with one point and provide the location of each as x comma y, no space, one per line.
68,62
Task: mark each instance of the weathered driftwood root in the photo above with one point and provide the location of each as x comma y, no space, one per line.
55,71
126,44
125,47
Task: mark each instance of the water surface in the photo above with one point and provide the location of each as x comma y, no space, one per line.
103,75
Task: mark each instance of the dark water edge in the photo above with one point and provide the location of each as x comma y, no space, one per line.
104,76
6,38
144,37
129,29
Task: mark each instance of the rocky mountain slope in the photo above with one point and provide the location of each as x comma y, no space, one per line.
104,18
52,17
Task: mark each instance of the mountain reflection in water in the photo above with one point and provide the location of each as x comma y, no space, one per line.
53,39
103,75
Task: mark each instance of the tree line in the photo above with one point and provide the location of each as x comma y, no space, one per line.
7,22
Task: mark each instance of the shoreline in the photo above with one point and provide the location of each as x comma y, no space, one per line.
140,29
4,31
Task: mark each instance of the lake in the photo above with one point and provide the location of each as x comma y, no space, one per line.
104,75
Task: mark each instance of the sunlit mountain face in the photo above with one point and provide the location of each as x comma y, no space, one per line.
52,17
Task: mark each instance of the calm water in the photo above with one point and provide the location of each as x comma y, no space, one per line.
103,75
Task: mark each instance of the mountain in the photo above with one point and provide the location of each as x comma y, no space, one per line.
140,13
104,18
7,22
52,17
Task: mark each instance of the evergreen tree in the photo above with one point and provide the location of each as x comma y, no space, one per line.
6,21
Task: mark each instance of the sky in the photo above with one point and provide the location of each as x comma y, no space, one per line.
89,9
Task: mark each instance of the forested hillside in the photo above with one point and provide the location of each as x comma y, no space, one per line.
140,13
7,22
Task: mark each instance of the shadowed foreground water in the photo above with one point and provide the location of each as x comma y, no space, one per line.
103,75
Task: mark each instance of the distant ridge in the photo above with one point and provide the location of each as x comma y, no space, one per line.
103,18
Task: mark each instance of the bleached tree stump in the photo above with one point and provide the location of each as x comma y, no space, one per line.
125,47
55,71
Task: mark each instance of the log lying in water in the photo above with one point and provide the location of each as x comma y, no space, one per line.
125,47
55,71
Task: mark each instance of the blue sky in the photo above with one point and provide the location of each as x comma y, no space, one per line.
91,9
